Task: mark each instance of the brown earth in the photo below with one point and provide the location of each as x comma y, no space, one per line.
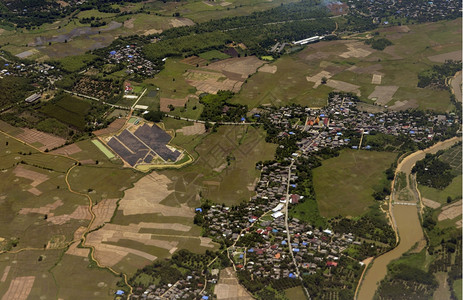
36,177
146,195
441,58
113,127
165,102
268,69
343,86
244,66
44,210
48,141
67,150
197,128
5,273
178,22
450,211
19,289
104,211
404,105
80,213
194,60
356,49
73,250
430,203
228,287
383,94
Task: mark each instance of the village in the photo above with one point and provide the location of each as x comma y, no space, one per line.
255,233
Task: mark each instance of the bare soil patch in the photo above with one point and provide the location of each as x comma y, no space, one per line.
5,273
197,128
376,79
317,79
431,203
19,289
80,213
129,23
356,49
68,150
441,58
36,177
228,287
268,69
211,82
167,226
146,195
73,250
152,31
371,69
404,105
343,86
194,61
48,141
165,102
45,210
178,22
383,94
450,211
240,65
113,127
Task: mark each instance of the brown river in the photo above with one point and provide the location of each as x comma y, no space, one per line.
407,224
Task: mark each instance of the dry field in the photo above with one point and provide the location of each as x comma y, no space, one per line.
48,141
211,82
383,94
80,213
268,69
441,58
73,250
357,50
371,69
5,273
317,79
194,60
450,211
242,67
146,195
179,22
404,105
165,102
44,210
104,210
36,177
68,150
195,129
338,85
430,203
228,287
19,289
376,79
113,127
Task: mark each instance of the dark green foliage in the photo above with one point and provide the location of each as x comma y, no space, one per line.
218,109
378,44
436,76
14,89
154,116
433,172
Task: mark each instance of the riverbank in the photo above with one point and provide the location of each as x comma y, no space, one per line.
406,223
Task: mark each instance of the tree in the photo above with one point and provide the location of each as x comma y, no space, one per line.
324,80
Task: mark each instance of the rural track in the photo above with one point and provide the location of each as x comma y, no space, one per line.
90,209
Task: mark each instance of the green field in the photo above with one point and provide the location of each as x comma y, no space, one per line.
103,149
69,110
452,190
77,62
295,293
344,185
170,80
457,288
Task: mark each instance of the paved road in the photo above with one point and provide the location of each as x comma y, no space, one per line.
288,233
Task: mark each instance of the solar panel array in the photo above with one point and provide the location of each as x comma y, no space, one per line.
143,145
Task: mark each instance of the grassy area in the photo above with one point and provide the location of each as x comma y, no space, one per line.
213,55
457,288
344,185
170,80
69,110
295,293
308,211
452,190
77,62
219,181
287,85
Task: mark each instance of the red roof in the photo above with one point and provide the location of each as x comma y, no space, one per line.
332,264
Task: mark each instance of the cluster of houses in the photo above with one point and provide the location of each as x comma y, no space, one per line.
131,56
432,10
190,287
333,125
44,75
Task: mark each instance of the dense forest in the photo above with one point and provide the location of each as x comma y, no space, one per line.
433,172
437,75
14,89
217,108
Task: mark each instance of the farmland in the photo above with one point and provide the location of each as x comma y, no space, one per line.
349,63
69,110
344,185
